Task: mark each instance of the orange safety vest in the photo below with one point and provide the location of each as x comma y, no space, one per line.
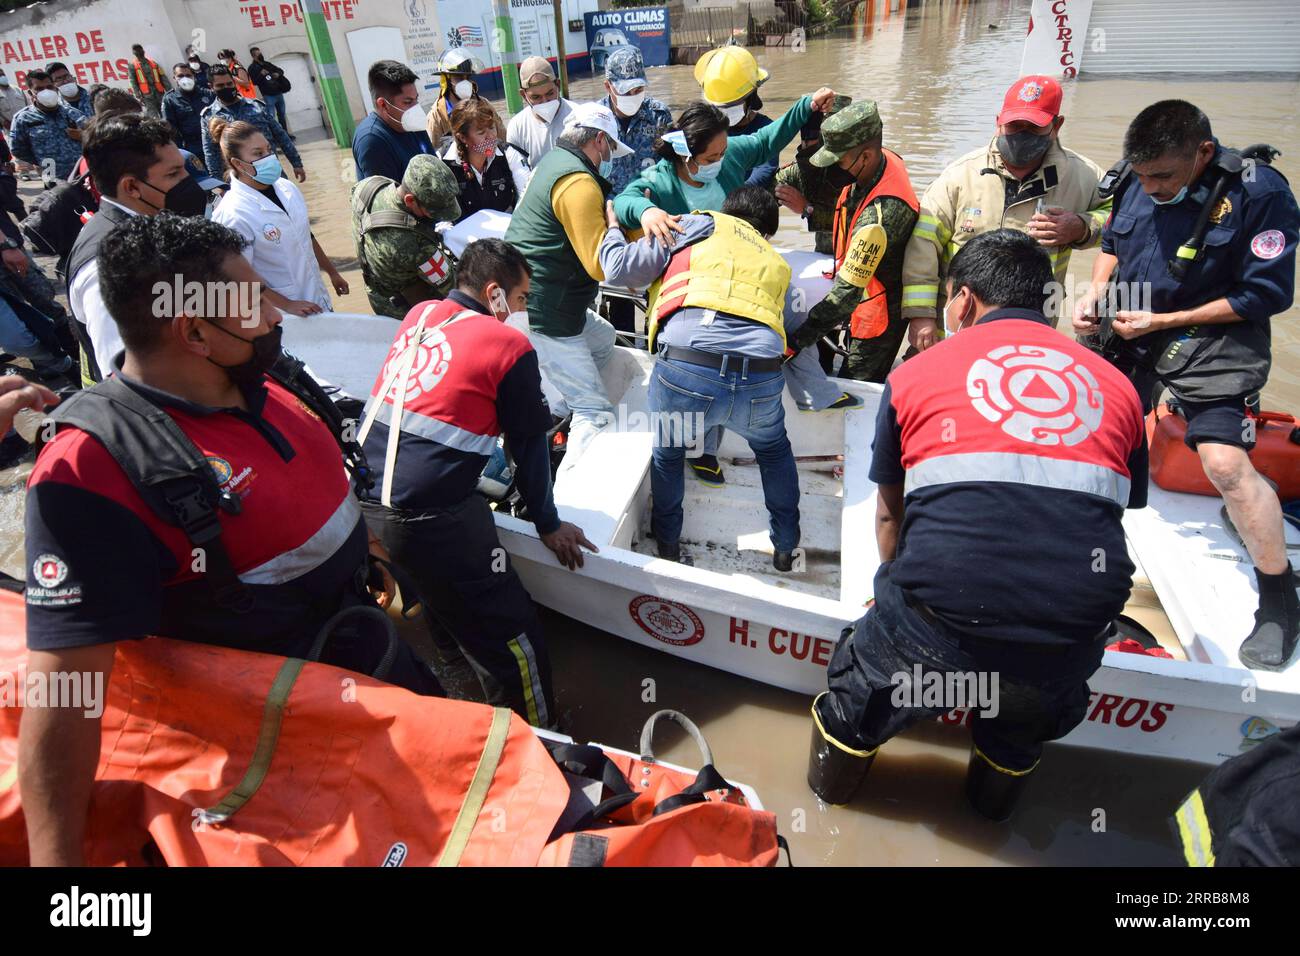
247,90
142,81
871,317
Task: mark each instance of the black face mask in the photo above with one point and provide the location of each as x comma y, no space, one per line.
186,198
839,177
227,94
1023,149
266,352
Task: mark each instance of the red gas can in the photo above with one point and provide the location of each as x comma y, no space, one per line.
1175,467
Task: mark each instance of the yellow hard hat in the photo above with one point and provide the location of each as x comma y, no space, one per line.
728,75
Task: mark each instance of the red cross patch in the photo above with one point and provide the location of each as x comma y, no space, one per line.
434,269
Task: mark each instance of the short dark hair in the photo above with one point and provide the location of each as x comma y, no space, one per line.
56,65
109,101
1168,127
166,248
491,260
36,75
136,48
387,77
1005,269
219,69
182,66
756,206
701,122
122,145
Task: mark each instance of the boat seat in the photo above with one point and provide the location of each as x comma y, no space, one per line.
597,494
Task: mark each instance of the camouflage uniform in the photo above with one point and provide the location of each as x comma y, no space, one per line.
815,184
37,137
869,359
407,263
625,69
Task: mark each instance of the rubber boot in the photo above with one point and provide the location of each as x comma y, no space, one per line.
835,770
991,790
1277,623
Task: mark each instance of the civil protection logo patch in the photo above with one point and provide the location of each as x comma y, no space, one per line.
1036,394
50,570
1268,245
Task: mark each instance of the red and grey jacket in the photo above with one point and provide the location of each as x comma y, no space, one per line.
103,566
472,378
1018,451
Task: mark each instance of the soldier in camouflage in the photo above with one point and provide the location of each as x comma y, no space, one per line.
641,118
871,225
403,258
807,190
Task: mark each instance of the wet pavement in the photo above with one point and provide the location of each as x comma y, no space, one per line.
938,74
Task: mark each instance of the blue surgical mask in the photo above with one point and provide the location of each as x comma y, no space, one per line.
267,170
1178,197
707,172
607,165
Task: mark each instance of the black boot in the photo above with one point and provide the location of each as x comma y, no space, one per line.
1277,623
991,790
835,770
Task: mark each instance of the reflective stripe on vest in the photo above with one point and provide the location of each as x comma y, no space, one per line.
142,81
398,379
733,270
871,317
1037,470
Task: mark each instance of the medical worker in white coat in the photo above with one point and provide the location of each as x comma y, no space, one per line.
268,210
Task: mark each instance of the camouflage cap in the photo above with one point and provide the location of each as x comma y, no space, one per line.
625,68
434,186
847,129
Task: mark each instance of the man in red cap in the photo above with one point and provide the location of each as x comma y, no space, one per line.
1024,179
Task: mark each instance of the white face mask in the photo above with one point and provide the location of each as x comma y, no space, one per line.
186,83
415,119
947,329
48,98
518,320
463,89
734,114
69,90
628,105
546,111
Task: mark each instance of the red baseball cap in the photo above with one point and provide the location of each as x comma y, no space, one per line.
1034,99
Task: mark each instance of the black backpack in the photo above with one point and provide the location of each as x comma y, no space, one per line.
55,219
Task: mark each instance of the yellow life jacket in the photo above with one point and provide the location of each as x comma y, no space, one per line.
734,270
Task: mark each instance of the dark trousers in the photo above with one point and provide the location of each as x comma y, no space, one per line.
1042,693
467,584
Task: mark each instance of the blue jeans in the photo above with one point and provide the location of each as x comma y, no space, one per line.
685,401
276,102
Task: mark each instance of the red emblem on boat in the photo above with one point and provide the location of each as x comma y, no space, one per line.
666,620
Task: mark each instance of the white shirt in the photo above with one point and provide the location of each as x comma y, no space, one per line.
534,137
88,308
279,248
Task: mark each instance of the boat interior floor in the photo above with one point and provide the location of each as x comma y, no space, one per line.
725,529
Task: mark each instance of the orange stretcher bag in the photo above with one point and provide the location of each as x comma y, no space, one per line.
1175,467
219,757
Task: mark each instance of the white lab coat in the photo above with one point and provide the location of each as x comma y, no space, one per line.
279,239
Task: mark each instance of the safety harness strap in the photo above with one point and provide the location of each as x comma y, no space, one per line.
476,795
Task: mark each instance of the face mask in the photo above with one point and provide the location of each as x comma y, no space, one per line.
1178,197
186,198
194,64
546,111
628,105
69,90
734,114
950,331
48,98
1023,149
518,320
267,170
414,119
227,95
186,83
487,147
266,352
463,89
4,81
707,172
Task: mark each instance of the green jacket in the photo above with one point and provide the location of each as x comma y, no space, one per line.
743,154
561,291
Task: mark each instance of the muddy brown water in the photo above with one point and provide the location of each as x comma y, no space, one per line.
938,73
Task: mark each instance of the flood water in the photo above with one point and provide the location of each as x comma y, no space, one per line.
938,74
